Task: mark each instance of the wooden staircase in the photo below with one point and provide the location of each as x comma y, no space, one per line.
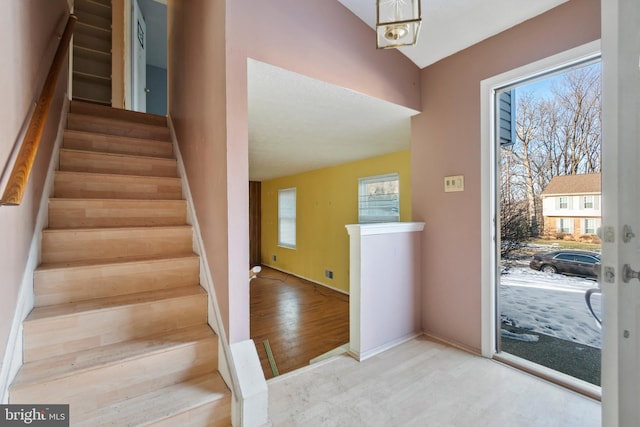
119,330
92,51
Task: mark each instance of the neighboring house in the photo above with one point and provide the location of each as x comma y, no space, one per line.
571,205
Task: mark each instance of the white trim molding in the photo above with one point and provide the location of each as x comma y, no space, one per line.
236,363
385,228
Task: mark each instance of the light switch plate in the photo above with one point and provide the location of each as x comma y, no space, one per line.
453,183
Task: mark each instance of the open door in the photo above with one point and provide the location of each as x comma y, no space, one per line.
621,212
139,59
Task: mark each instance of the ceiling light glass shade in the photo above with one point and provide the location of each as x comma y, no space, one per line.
398,23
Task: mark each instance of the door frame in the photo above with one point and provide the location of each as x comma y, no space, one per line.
621,109
138,94
488,168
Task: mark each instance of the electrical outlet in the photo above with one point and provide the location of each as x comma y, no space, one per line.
453,183
328,274
273,257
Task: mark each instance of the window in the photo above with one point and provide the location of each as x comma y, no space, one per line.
587,202
565,257
287,218
379,199
589,226
565,225
586,259
564,202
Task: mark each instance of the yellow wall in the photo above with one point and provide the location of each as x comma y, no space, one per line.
326,201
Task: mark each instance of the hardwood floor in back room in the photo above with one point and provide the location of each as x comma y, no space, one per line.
301,319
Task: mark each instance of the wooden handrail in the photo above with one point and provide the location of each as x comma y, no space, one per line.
17,182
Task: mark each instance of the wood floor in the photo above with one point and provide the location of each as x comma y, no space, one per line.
301,320
423,383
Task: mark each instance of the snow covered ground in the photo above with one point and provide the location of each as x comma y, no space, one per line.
552,304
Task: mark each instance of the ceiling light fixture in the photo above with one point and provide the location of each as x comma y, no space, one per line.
397,23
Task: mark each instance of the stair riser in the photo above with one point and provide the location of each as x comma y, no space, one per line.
116,127
116,113
214,414
111,244
70,185
115,213
54,336
117,144
92,389
61,286
75,161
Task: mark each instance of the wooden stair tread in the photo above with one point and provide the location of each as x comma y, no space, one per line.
92,53
102,263
116,163
68,213
64,283
118,176
92,100
163,404
117,126
72,363
92,185
119,155
112,243
114,229
85,28
93,77
86,108
116,201
132,140
98,229
149,201
117,144
74,308
117,121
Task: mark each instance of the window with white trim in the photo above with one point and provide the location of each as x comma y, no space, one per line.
589,226
587,202
565,225
287,218
379,198
563,202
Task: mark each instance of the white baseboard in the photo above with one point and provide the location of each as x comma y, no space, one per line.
12,360
455,344
388,346
307,279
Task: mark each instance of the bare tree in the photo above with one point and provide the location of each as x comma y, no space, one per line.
559,134
578,95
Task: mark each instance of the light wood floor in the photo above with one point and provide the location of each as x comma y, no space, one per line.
301,320
423,383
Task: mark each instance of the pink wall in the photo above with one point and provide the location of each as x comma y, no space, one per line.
208,103
446,141
28,39
197,106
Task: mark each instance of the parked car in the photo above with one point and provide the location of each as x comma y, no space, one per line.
570,262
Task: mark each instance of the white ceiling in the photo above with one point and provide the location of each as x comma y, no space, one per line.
298,124
449,26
